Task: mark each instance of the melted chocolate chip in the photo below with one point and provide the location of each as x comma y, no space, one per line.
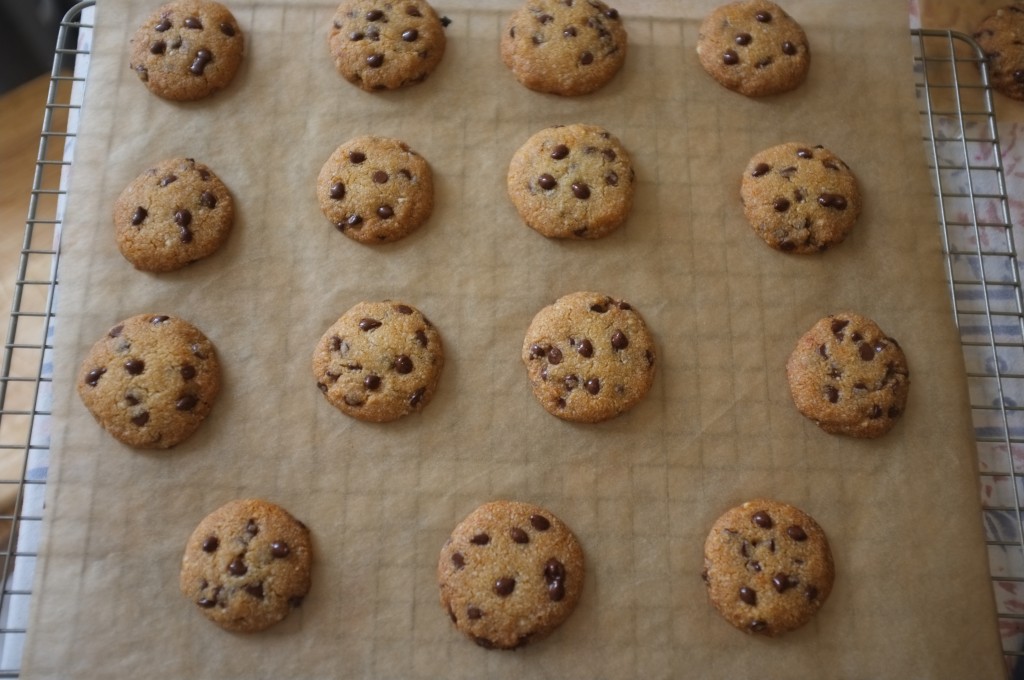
403,364
227,29
385,212
208,200
837,327
356,157
763,17
554,577
832,394
203,57
211,544
559,152
159,47
585,348
237,567
504,586
280,549
168,179
371,382
368,324
743,39
375,60
730,58
866,351
789,48
458,560
135,366
619,340
797,533
593,385
480,539
546,182
162,25
518,535
784,582
587,58
554,356
255,590
374,15
186,402
410,35
93,376
337,191
834,201
379,176
781,204
194,23
749,596
473,613
540,522
760,170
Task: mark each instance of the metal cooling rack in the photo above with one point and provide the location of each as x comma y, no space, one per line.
962,141
985,285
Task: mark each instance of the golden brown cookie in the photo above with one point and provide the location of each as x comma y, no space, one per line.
1001,36
173,214
800,199
384,45
572,181
247,565
187,49
150,381
767,566
753,47
509,574
564,47
589,357
379,361
375,189
849,377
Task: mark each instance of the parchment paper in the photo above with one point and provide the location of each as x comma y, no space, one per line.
912,595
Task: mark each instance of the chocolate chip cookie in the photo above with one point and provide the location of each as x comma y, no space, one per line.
509,574
849,377
376,189
589,357
173,214
379,361
187,49
754,48
150,381
247,565
564,47
1001,36
800,199
767,566
380,45
572,181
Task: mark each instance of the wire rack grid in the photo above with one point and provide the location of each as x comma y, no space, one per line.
963,152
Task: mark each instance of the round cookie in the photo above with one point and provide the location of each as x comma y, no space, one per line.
187,49
375,189
849,377
1001,36
800,199
767,566
247,565
589,357
564,47
510,574
572,181
380,45
150,381
379,361
171,215
754,48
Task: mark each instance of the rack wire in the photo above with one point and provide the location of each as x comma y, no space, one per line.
962,145
962,142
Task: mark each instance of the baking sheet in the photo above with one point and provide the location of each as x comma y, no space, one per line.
912,596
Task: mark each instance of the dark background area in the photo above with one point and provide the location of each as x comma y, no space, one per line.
28,37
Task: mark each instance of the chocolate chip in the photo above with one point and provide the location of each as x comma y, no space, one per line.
203,57
518,535
585,348
811,593
183,218
208,200
473,613
763,17
141,419
837,327
252,528
762,519
554,356
385,212
784,582
599,308
186,402
368,324
743,39
410,35
403,364
587,58
135,366
593,385
546,182
789,48
375,60
559,152
805,153
356,157
416,397
458,560
374,15
413,11
337,191
781,204
612,179
504,586
206,603
554,577
540,522
749,596
380,177
280,549
760,170
480,539
162,25
371,382
93,376
619,340
194,23
351,221
832,393
758,626
355,36
159,47
797,533
580,190
168,179
866,351
227,29
730,58
834,201
255,590
569,32
211,544
237,567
